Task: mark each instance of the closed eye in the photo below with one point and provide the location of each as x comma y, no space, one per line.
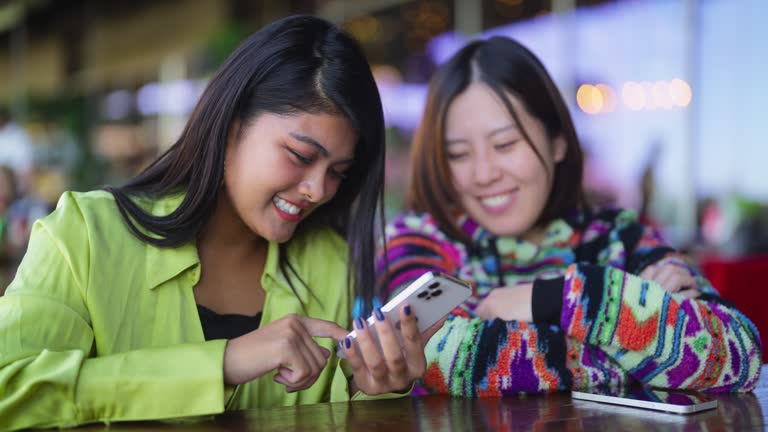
300,157
456,156
338,174
506,146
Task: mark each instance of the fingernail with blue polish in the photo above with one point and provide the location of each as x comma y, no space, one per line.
379,314
407,310
348,343
359,323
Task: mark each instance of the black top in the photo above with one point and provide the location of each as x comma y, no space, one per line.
227,326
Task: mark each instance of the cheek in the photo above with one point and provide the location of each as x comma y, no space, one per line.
461,175
525,166
332,186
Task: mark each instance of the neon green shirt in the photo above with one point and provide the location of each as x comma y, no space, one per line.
100,326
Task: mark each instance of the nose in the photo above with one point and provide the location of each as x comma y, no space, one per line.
485,169
312,188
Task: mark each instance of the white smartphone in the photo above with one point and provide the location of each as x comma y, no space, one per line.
649,398
432,296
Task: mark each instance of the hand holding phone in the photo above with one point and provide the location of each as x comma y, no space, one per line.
388,352
430,297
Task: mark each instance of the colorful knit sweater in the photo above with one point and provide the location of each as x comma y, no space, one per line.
594,321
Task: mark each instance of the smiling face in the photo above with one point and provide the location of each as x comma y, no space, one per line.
279,169
500,181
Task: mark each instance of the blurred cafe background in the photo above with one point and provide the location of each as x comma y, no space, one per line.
667,96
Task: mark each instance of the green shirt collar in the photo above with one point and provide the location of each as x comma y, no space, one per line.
165,263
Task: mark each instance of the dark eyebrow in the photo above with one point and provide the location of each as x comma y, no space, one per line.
455,141
320,148
502,129
311,141
489,135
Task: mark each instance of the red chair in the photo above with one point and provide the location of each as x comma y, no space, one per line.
744,282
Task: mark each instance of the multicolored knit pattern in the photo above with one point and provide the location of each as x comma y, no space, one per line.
614,327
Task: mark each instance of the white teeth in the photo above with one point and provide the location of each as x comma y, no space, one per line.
496,201
286,206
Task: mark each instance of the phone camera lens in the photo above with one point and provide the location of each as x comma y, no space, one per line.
436,292
434,285
423,294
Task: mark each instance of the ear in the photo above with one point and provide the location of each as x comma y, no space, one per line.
559,147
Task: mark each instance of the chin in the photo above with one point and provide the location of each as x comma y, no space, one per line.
275,235
280,237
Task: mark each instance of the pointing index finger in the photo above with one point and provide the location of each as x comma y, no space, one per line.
322,328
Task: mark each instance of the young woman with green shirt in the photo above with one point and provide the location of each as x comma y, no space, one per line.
218,278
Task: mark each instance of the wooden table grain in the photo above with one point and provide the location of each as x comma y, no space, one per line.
553,412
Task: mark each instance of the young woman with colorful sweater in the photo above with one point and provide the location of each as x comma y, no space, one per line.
565,296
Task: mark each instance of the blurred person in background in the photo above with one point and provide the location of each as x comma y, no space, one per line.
7,197
56,147
16,149
17,214
201,284
566,296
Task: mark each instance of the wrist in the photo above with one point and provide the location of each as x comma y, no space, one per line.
352,385
231,373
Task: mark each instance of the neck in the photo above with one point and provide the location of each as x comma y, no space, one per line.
535,235
227,234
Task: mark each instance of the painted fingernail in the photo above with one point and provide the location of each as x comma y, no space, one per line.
359,323
379,314
407,310
348,343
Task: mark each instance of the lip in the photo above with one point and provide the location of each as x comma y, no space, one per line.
502,208
301,206
504,192
286,216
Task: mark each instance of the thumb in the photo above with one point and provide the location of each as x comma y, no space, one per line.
322,328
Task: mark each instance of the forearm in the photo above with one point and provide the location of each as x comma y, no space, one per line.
473,357
659,338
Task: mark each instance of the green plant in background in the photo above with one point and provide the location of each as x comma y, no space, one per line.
223,42
75,114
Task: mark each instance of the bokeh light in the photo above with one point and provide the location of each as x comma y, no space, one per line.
633,96
590,99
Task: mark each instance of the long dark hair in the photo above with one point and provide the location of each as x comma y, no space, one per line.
299,64
506,67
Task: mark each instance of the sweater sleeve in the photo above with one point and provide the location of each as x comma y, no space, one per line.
662,339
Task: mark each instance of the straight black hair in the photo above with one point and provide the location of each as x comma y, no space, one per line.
299,64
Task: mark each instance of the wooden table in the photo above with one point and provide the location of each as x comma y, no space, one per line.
555,412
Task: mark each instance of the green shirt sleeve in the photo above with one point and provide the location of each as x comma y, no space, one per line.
49,375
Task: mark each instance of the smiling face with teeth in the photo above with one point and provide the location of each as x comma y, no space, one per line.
279,169
500,181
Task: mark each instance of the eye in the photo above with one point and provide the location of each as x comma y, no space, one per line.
305,160
456,156
505,146
338,174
